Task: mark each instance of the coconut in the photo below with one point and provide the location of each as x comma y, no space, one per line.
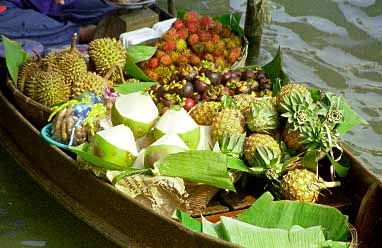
115,145
205,141
136,110
167,144
180,122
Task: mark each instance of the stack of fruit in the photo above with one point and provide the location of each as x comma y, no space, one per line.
191,85
65,74
191,40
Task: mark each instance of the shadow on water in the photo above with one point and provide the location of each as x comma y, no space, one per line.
29,217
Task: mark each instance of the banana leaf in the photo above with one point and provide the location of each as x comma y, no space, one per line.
140,53
188,221
284,214
15,56
198,166
127,88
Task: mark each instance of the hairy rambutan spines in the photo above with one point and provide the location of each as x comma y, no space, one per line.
209,46
153,62
180,45
206,22
215,37
192,27
191,16
217,26
193,39
169,46
178,24
234,54
166,60
182,59
171,34
183,33
159,53
194,60
209,57
205,36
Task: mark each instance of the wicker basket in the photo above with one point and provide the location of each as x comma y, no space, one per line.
240,62
35,112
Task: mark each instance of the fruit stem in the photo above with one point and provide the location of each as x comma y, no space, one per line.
325,185
73,44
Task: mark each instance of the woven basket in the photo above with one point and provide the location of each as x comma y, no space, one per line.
35,112
240,62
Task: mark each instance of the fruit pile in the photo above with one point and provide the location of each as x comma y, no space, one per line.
66,74
191,85
191,40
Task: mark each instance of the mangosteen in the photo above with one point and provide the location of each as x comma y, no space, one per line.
235,74
160,91
187,89
265,86
260,75
176,77
248,74
235,78
254,85
226,76
189,72
200,86
244,89
214,77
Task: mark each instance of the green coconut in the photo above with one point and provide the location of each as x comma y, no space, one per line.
205,141
115,145
167,144
136,110
180,122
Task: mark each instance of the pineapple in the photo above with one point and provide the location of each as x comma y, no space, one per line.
292,95
303,185
292,139
243,101
256,141
204,112
227,122
262,117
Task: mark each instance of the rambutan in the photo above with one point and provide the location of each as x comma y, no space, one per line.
204,36
193,39
192,27
209,46
152,74
159,53
220,61
169,46
206,22
215,37
191,16
234,54
198,48
166,60
194,60
209,57
226,32
171,34
217,26
229,43
180,45
174,55
153,62
183,33
178,24
182,59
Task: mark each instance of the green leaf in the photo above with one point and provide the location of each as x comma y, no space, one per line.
341,170
140,53
212,229
284,214
127,88
198,166
15,56
188,221
310,161
133,70
180,13
315,94
274,69
276,87
232,20
81,151
236,164
350,118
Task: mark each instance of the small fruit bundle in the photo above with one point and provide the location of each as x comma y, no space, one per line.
191,40
191,84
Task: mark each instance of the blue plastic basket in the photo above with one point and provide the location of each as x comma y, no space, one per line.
46,134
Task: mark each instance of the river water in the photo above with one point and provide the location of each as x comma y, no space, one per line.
335,45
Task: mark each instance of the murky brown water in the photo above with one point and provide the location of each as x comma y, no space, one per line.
335,45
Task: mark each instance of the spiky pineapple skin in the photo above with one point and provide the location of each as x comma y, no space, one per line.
204,112
257,140
300,185
262,116
106,53
227,122
243,101
292,139
287,90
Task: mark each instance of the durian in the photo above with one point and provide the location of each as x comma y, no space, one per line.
71,63
108,54
26,71
90,82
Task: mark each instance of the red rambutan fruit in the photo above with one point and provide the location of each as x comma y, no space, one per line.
226,32
217,26
204,36
209,46
183,33
209,57
171,34
166,60
193,39
192,27
191,16
194,60
153,62
169,46
152,74
178,24
206,22
215,37
234,54
182,59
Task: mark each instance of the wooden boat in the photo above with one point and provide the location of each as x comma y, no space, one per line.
127,222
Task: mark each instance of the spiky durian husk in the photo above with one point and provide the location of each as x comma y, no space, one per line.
300,185
26,72
259,140
90,82
106,53
284,96
48,87
243,102
71,63
227,123
204,112
262,116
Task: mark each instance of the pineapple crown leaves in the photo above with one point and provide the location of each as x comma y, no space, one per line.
232,145
262,117
228,102
267,159
290,102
